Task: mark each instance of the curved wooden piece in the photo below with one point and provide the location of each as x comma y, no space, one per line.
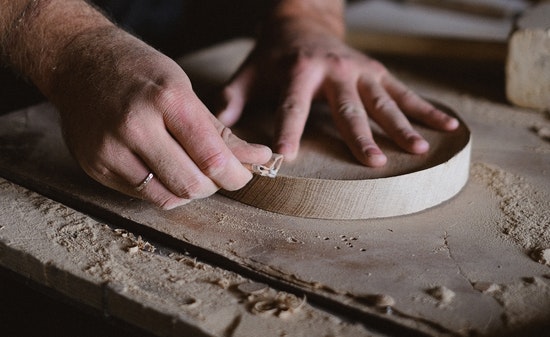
327,182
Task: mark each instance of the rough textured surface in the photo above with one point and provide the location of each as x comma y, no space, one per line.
528,62
166,292
483,246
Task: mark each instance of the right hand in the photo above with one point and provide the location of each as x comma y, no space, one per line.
127,110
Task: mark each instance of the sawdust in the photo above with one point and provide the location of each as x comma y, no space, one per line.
252,288
525,301
542,131
376,300
135,244
526,210
160,290
486,287
542,256
442,294
262,300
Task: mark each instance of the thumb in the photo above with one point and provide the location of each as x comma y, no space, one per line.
235,96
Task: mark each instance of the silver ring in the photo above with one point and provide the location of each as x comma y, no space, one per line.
145,181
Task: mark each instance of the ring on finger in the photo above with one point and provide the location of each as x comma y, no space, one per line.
145,181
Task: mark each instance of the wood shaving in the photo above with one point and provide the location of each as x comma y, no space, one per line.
486,287
443,294
283,305
542,256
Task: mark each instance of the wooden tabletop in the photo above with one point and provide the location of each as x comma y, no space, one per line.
217,267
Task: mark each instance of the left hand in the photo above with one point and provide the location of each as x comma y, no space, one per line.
301,61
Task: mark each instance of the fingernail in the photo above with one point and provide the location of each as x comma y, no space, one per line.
418,144
375,158
452,123
287,150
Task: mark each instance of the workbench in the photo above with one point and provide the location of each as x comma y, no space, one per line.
475,265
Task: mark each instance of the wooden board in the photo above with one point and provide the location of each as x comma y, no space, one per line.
408,28
485,234
118,274
527,66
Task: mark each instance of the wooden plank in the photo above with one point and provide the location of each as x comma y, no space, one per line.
403,28
528,62
165,292
484,235
486,8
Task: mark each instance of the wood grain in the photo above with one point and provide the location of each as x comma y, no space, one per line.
325,181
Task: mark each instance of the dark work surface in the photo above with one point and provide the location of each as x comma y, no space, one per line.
27,309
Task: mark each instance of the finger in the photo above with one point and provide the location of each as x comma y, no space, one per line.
294,109
235,96
172,165
352,121
246,152
418,108
126,172
384,110
190,123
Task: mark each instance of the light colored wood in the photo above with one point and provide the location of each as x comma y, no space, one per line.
485,234
425,46
343,263
403,28
325,181
528,66
118,274
487,8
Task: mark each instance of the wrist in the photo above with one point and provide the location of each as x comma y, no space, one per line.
323,16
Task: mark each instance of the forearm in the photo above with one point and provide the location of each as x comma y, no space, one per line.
326,15
35,33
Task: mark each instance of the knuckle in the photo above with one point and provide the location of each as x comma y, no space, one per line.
407,96
97,171
164,96
213,164
350,110
365,143
192,187
377,67
339,62
173,202
290,107
162,201
169,98
383,103
167,202
226,134
404,132
299,61
132,129
436,114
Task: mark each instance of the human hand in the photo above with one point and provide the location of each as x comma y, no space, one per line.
301,61
128,110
